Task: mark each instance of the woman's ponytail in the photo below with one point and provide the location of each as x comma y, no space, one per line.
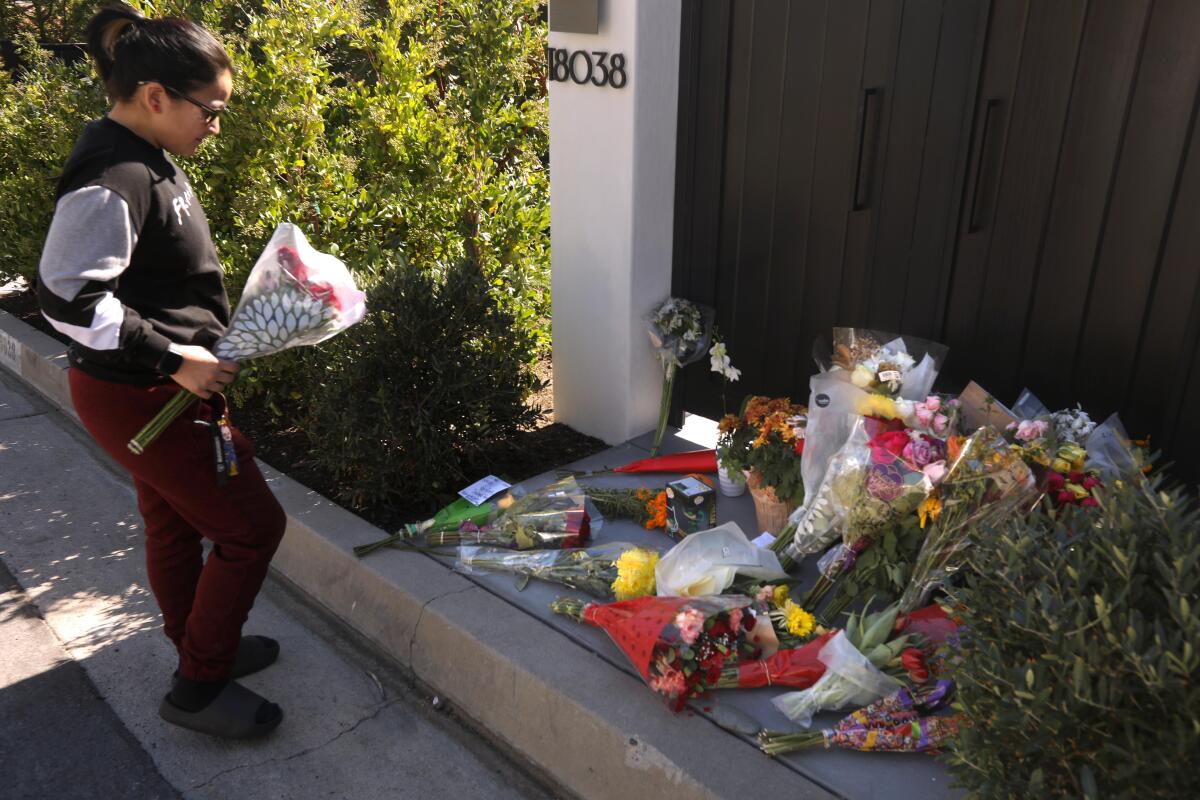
104,32
130,49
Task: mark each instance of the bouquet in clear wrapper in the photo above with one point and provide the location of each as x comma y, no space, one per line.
450,518
853,661
892,487
867,369
617,570
986,479
551,518
294,296
678,645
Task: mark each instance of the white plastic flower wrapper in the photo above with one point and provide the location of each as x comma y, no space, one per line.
849,680
706,562
1109,451
295,296
819,520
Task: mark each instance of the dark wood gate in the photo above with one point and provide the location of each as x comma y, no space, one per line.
1018,179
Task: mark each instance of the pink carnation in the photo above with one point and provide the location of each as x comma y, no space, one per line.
672,683
691,624
933,402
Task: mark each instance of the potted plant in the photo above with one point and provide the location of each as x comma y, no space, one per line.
767,440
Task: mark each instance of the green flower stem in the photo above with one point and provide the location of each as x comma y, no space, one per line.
409,531
817,593
154,428
569,607
775,743
664,409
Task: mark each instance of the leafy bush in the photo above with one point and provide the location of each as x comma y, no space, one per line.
407,137
447,380
1082,650
47,20
40,118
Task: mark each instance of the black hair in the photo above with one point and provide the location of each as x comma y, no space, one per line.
129,48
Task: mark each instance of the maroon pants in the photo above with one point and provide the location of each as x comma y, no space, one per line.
204,603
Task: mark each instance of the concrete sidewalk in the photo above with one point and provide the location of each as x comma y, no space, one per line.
85,663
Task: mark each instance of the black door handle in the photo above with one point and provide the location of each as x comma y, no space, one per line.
862,188
974,224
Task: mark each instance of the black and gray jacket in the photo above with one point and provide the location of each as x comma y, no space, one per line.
129,265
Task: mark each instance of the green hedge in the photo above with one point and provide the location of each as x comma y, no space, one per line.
1081,651
409,137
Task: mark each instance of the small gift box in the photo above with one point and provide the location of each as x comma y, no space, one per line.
691,505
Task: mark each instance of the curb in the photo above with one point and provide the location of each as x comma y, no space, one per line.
545,696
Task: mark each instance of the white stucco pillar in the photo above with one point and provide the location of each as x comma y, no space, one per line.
612,189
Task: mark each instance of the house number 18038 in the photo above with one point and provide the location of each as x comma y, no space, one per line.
597,67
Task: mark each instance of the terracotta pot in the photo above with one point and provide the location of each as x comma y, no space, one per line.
771,511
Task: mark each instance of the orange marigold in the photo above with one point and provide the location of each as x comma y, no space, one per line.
657,510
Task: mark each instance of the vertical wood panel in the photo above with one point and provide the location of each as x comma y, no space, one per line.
1104,77
700,168
943,170
872,136
1157,385
1147,176
1039,107
793,203
884,285
833,174
755,211
1006,29
733,188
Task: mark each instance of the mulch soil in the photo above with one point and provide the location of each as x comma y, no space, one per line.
524,455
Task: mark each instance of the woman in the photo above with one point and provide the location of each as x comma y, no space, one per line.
130,273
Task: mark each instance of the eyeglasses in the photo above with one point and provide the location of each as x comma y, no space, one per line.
210,113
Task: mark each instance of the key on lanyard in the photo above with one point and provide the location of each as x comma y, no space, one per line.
224,455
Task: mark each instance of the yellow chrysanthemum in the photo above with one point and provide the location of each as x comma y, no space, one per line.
780,597
876,405
635,574
799,621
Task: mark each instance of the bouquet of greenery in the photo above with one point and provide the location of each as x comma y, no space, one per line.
647,507
985,481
